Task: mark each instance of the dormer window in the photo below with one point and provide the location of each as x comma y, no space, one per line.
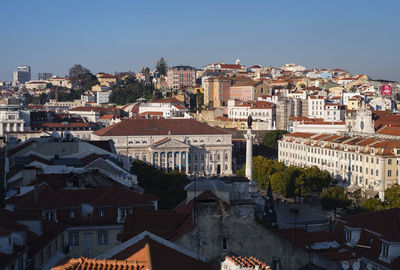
72,214
123,213
347,235
385,250
50,215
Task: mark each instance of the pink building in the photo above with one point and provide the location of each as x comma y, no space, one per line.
244,90
181,76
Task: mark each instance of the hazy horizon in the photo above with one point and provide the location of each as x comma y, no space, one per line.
358,36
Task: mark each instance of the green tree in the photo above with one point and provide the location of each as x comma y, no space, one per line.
161,66
372,204
271,138
392,196
168,187
334,197
82,77
295,182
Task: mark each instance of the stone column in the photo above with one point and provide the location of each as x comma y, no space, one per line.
249,161
249,154
187,162
180,160
230,161
166,161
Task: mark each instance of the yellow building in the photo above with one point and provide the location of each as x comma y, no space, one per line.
353,104
105,78
198,90
337,91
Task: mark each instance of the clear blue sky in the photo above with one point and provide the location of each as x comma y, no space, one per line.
51,36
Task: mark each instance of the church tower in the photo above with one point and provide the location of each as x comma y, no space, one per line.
363,122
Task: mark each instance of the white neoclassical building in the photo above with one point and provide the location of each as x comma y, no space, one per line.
366,162
173,144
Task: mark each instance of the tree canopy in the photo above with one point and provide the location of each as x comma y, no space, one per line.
129,90
392,200
288,181
334,197
161,66
82,77
271,138
168,187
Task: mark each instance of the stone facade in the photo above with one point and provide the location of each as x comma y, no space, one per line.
222,229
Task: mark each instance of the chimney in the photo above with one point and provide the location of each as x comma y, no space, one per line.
36,195
29,175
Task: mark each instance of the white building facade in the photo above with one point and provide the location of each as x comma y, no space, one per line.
368,163
172,144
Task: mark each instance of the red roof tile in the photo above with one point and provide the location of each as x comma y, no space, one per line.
138,127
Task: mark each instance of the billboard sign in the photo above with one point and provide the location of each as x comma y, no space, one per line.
386,90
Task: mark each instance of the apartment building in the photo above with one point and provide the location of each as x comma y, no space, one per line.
181,76
260,111
316,106
368,163
216,91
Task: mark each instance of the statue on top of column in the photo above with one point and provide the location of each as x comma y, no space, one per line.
249,122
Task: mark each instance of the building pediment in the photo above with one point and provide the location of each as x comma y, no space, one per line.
169,143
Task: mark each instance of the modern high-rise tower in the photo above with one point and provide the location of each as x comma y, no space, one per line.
44,76
22,74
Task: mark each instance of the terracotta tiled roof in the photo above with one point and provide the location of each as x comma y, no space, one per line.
106,75
18,148
61,125
180,107
152,113
230,66
108,117
49,198
138,127
383,222
247,262
390,130
88,109
166,224
92,264
300,134
167,100
242,83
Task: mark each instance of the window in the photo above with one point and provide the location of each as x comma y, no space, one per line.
102,237
389,161
377,173
101,213
124,212
348,235
73,238
224,243
389,172
50,215
72,213
385,250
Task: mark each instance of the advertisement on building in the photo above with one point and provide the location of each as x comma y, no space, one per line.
386,90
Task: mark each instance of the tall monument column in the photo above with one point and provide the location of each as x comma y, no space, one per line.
249,156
